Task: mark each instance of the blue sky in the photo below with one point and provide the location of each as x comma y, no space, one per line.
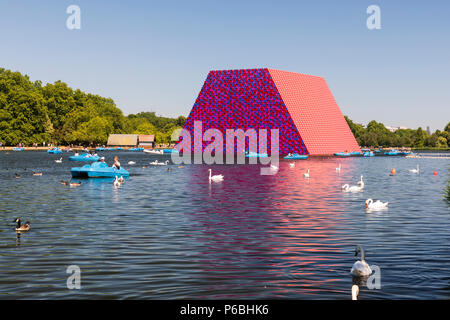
155,55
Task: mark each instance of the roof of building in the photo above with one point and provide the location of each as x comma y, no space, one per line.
146,138
123,140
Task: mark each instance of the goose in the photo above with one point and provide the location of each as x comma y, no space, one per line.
292,164
22,227
116,182
338,169
17,176
306,175
131,162
355,292
377,205
37,173
215,178
415,170
360,267
59,161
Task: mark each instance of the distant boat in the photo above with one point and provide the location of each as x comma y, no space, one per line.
342,154
84,157
100,149
18,149
368,154
256,155
54,151
392,153
297,156
136,149
355,153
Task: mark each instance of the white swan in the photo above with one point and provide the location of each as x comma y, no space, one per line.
215,178
360,268
358,188
131,162
377,205
116,182
306,175
338,169
59,161
157,163
292,164
355,292
415,170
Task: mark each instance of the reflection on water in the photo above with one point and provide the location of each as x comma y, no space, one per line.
172,234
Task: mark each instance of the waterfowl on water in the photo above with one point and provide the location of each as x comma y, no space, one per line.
215,178
143,167
121,179
377,205
116,182
355,292
360,268
131,162
415,170
306,175
180,167
37,173
66,183
358,188
292,164
75,184
338,169
17,176
22,227
59,161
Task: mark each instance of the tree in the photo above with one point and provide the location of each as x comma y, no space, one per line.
419,139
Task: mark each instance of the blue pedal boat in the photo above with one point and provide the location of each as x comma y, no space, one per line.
256,155
18,149
342,154
84,157
54,151
392,153
297,156
98,170
136,149
368,154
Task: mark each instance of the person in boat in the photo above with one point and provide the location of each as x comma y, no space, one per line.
289,154
102,159
76,154
116,163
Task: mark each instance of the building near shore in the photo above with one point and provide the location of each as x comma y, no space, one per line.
300,106
146,140
123,140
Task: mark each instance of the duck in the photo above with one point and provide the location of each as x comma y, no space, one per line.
65,183
292,164
215,178
355,292
168,169
116,182
75,184
306,175
377,205
415,170
180,167
17,176
143,167
338,169
131,162
37,173
59,161
360,268
22,227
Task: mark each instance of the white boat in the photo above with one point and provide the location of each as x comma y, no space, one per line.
153,151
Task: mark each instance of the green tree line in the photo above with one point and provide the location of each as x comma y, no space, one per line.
376,135
33,113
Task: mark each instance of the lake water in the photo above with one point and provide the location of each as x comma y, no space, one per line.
170,234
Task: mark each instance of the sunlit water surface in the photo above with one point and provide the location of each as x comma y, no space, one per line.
171,234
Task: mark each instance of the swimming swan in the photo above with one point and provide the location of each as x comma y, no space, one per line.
355,292
338,169
360,268
292,164
415,170
306,175
59,161
358,188
131,162
157,163
377,205
215,178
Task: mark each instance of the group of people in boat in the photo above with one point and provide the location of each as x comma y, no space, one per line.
116,163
